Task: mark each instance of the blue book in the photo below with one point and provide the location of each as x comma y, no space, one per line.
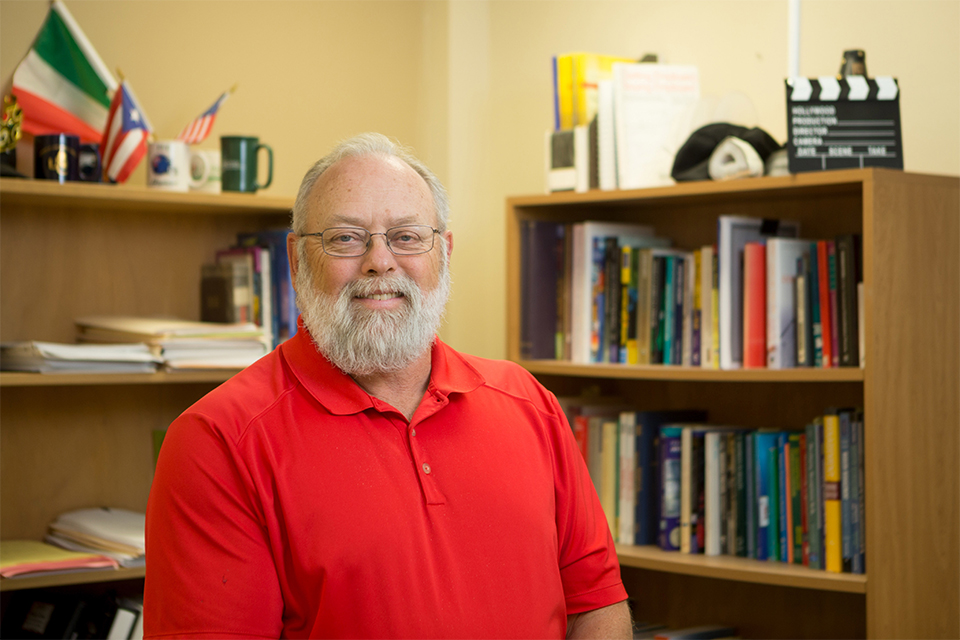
669,538
846,497
750,478
765,448
648,425
669,308
679,284
856,481
783,499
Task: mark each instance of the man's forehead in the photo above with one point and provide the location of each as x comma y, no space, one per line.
372,180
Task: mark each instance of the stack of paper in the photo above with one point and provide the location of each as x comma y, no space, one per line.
52,357
183,344
117,533
22,558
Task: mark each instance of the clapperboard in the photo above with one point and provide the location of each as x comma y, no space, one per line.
843,123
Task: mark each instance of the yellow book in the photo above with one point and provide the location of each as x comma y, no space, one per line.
588,70
831,492
628,311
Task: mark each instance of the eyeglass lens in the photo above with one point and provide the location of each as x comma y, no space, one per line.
354,241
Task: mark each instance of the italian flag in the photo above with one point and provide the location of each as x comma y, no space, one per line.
62,85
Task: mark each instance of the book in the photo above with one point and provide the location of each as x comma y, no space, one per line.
783,301
823,289
847,548
696,329
834,307
691,463
654,107
754,306
216,292
542,244
585,236
107,527
712,466
627,482
606,137
794,501
833,552
733,233
562,68
23,558
284,303
669,537
859,563
647,474
588,69
43,614
242,268
609,457
848,259
764,446
54,357
706,307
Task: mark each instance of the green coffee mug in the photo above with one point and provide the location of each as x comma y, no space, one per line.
239,163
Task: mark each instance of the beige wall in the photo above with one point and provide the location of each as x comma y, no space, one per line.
467,84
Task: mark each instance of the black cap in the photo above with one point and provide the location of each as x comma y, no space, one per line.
693,159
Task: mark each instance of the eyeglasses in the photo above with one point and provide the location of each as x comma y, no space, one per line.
353,242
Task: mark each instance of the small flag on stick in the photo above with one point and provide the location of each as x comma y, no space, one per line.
125,136
199,129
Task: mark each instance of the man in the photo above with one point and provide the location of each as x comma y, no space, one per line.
364,479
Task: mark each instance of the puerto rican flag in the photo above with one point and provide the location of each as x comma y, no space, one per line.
199,129
125,136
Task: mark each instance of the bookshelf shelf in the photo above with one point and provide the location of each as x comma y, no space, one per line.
12,379
68,440
910,225
669,372
64,579
740,569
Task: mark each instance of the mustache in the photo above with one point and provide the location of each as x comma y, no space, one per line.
395,283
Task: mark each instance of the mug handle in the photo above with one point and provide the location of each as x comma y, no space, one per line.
199,182
269,165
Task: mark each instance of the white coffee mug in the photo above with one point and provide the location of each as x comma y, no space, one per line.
168,165
205,170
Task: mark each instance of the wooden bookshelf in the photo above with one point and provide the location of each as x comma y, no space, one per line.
911,253
70,441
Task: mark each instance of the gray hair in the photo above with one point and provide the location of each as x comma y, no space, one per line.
369,144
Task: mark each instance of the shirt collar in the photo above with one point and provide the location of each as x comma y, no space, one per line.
450,373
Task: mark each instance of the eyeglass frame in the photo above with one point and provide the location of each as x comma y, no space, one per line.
369,243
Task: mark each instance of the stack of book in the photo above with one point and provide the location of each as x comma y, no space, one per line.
25,558
112,532
672,479
600,292
54,357
250,282
182,344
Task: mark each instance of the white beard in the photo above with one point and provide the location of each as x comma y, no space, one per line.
362,341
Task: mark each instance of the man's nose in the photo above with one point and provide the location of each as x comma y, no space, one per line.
378,258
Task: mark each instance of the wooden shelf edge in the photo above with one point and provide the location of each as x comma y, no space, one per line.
15,379
671,372
740,570
63,579
15,190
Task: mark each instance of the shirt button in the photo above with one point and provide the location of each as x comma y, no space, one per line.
413,433
426,468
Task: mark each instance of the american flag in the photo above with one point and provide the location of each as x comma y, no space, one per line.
125,136
199,129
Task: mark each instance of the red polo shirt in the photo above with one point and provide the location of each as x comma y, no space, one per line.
290,503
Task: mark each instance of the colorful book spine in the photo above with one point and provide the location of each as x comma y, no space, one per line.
754,305
823,287
833,553
796,500
669,539
813,277
834,308
846,497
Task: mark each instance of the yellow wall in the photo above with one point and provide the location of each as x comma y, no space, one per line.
467,84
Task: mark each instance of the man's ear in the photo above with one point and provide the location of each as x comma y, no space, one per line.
448,238
293,256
